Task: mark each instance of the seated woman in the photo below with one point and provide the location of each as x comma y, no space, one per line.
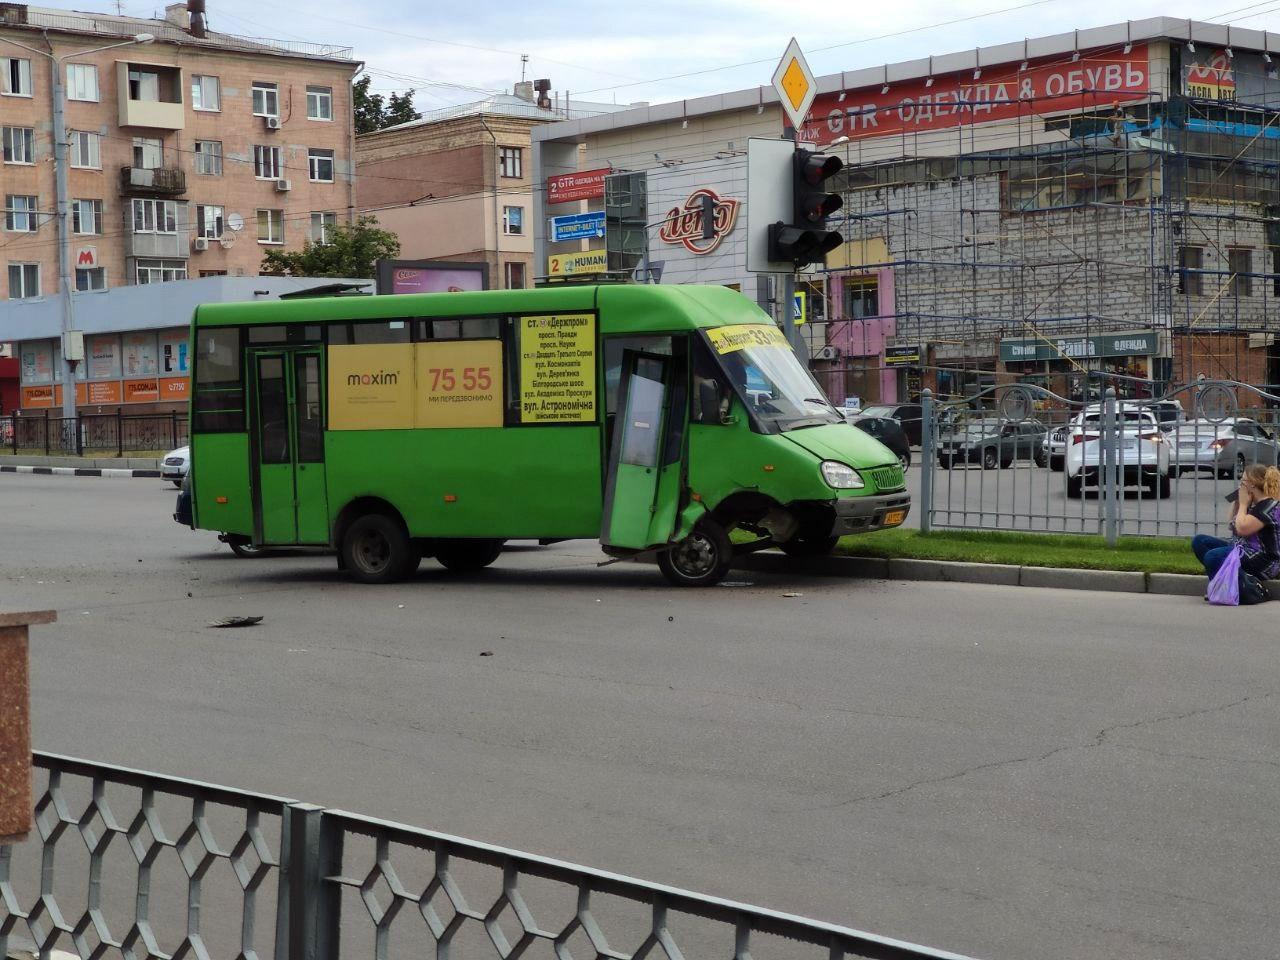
1255,526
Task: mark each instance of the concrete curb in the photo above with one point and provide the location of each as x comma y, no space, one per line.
81,471
948,571
123,463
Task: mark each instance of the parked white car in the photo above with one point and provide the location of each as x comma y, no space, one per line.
1224,449
1053,448
1142,455
175,465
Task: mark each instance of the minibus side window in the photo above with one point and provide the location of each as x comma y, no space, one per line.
712,396
370,331
219,385
461,328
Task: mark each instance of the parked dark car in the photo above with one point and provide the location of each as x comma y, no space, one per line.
990,442
889,432
907,414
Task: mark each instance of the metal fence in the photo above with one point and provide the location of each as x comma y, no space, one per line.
105,434
128,863
1019,457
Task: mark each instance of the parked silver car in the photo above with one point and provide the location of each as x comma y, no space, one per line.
175,465
1224,449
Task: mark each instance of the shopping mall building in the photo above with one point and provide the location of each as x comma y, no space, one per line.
1102,203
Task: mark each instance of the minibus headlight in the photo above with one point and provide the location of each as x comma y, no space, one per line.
841,475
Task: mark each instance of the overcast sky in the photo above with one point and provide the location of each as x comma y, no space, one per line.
625,52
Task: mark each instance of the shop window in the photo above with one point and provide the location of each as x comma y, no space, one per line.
861,297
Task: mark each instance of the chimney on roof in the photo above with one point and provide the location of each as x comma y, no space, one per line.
544,89
524,90
176,14
195,9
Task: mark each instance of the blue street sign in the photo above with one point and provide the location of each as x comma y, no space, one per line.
578,226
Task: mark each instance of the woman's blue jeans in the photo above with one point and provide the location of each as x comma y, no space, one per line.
1210,551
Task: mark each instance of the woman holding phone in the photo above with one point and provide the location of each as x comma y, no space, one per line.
1255,527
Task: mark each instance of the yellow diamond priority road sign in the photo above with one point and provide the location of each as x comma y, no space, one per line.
795,84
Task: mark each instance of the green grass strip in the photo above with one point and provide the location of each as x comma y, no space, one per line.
1148,554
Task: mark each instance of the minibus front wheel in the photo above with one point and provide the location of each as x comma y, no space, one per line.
699,560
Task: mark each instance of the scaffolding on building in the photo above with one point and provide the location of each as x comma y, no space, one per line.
1160,214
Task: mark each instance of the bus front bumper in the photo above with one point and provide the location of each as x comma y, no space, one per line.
864,514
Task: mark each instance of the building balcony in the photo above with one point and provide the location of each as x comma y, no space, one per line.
151,96
152,182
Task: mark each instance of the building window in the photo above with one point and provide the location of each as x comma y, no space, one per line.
205,93
513,221
271,226
319,103
320,165
82,82
513,275
322,226
155,216
1240,263
86,150
1190,263
148,153
861,297
266,99
209,222
24,281
268,162
509,161
20,214
19,145
86,216
209,158
161,271
91,278
213,273
144,85
16,79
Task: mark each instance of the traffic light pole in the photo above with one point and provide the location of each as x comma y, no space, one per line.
787,297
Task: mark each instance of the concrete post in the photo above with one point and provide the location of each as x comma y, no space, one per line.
66,282
15,723
1109,484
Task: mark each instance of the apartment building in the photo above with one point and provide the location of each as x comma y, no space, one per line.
190,154
455,186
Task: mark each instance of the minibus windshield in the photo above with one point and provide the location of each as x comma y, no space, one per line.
768,378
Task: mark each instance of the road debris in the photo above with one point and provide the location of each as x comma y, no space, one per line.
236,622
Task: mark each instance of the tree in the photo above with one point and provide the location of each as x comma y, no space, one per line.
352,250
375,112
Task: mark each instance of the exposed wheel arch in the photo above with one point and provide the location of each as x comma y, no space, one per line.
359,507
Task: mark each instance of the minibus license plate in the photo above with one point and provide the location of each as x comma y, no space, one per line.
894,517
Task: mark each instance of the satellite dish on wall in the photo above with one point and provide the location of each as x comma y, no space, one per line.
235,222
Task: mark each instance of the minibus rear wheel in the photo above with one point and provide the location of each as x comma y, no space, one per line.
376,549
700,559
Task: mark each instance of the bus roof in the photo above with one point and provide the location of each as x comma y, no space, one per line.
626,308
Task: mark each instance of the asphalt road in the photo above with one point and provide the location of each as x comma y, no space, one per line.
1002,772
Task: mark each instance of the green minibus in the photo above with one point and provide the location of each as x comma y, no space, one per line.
660,420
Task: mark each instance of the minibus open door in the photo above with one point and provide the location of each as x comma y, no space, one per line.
642,486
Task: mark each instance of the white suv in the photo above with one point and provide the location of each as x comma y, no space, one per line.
1142,456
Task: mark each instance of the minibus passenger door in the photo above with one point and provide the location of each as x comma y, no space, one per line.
273,458
635,455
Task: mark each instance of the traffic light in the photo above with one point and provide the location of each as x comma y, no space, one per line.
806,239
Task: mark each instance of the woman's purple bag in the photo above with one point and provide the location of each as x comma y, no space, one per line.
1224,588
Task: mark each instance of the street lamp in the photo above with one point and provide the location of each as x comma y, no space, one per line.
66,282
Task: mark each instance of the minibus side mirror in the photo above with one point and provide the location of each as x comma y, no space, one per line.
712,406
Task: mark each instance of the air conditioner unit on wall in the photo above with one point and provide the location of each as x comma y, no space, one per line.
828,353
284,186
273,123
200,243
